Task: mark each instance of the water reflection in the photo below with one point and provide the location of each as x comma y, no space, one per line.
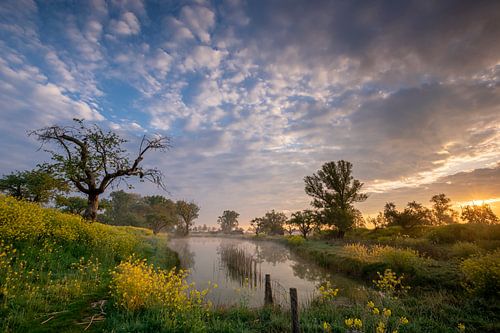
238,267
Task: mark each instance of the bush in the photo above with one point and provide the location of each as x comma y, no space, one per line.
464,250
295,240
452,233
481,275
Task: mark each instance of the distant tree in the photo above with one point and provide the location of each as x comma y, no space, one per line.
272,223
204,227
125,209
35,185
187,213
334,191
228,221
442,213
160,212
257,225
378,221
391,214
304,220
92,159
479,214
289,228
72,205
415,214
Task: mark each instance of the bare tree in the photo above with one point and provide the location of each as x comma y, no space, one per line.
93,160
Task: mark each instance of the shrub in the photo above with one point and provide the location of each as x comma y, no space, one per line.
453,233
481,274
137,286
295,240
464,250
400,259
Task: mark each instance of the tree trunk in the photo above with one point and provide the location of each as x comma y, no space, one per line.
92,206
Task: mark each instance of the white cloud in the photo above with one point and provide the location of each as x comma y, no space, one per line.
199,20
203,57
161,62
128,24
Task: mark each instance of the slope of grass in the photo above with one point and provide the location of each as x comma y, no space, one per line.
55,267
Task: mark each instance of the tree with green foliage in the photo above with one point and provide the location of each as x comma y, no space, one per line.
228,221
479,214
93,159
334,191
305,221
415,214
34,186
187,213
73,205
159,212
272,223
442,213
124,209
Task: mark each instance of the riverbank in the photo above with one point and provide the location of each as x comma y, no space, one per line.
61,274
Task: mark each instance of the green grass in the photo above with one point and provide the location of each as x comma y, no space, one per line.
61,268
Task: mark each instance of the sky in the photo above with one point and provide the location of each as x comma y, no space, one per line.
258,94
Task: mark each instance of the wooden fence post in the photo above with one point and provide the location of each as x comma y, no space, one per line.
294,310
268,293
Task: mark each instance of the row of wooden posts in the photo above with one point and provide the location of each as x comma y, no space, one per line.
294,303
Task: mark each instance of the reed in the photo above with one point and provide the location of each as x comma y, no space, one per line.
241,266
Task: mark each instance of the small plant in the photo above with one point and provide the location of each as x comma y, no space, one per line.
354,324
386,322
327,292
390,284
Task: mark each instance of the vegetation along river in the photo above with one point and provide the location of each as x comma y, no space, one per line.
239,266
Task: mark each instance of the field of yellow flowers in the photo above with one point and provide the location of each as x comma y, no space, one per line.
55,266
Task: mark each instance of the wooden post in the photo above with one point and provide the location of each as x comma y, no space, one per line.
268,293
294,310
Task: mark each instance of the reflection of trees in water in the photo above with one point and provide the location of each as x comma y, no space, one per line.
271,253
186,256
307,271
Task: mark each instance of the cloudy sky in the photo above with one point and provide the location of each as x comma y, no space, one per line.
258,94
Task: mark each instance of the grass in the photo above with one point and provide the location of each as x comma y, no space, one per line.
59,273
55,267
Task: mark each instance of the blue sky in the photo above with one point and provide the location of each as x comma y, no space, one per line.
258,94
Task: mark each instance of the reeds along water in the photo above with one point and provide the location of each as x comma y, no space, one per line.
241,266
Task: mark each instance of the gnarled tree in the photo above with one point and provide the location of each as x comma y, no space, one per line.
93,159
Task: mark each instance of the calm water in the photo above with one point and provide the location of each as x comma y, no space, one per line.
207,259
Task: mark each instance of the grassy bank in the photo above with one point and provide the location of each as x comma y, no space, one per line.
453,271
55,268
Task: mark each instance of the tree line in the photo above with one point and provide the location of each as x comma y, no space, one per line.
334,191
88,160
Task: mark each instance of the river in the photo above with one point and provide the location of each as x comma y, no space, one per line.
238,267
